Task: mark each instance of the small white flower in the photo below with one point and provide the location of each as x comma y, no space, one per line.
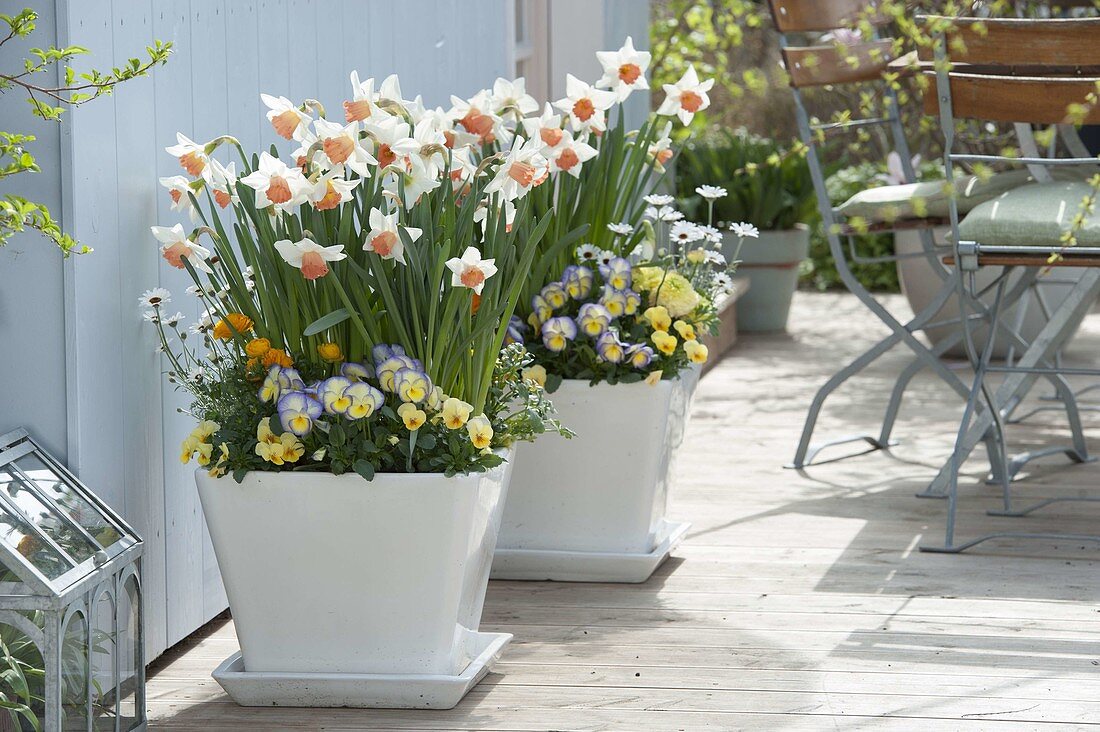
686,97
470,270
621,229
664,213
711,234
174,320
724,282
658,199
195,375
711,193
155,298
199,328
309,256
685,232
744,230
588,252
151,316
716,258
606,256
194,290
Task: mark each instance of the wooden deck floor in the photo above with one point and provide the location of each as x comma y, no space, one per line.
799,600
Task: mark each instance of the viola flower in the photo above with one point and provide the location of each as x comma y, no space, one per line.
640,355
361,105
387,369
480,431
356,371
330,191
557,332
341,146
191,155
365,400
578,281
413,418
555,295
333,396
585,105
470,270
276,184
284,448
588,253
711,193
616,273
288,120
222,180
745,231
623,70
541,309
384,237
523,168
514,334
535,373
179,189
658,318
309,256
614,300
686,97
685,329
176,247
609,349
298,411
569,154
593,319
456,413
665,342
411,385
696,351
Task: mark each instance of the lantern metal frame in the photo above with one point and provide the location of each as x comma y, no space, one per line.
109,572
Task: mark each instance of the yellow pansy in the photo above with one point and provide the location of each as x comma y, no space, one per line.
205,429
413,417
480,431
536,374
219,468
330,352
696,351
658,318
665,343
456,412
686,330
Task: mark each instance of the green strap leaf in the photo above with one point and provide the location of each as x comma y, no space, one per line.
326,321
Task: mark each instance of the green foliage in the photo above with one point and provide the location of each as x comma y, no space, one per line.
49,100
768,186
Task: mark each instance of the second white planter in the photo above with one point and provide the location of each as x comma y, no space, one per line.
592,508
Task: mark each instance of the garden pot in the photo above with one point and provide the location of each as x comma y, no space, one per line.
920,284
592,508
771,264
347,592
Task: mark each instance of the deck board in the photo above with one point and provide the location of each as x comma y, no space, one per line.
799,599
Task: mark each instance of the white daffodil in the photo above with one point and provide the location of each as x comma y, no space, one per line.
660,152
623,70
179,188
546,127
276,184
686,97
585,105
341,146
524,168
176,247
476,116
482,213
430,145
415,180
569,153
288,120
512,96
191,155
361,106
384,236
463,168
330,191
392,140
222,180
309,256
390,91
470,270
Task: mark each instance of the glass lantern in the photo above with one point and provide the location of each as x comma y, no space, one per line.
72,653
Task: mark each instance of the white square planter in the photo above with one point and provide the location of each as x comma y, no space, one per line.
338,576
593,508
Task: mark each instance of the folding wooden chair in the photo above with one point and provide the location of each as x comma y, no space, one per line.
1024,72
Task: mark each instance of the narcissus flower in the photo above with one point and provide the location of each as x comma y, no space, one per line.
696,351
593,319
176,247
222,180
191,155
384,237
179,190
298,411
623,70
480,431
456,413
330,191
585,105
309,256
522,169
276,184
568,155
557,332
512,96
361,105
665,343
413,417
470,270
342,147
546,127
686,97
288,120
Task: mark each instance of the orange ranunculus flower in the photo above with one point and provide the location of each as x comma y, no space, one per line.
330,352
241,324
257,347
277,357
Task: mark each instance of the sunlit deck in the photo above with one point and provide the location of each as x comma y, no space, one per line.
799,600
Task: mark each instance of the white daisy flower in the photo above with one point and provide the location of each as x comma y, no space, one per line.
655,199
685,232
606,256
711,193
155,298
621,229
664,213
174,320
151,316
744,230
724,282
588,252
711,234
716,258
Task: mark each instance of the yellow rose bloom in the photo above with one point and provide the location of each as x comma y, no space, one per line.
277,356
536,374
686,330
413,417
257,347
658,318
665,343
676,294
456,413
480,431
241,324
696,351
330,352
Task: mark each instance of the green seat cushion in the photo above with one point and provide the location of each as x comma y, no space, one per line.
928,200
1036,214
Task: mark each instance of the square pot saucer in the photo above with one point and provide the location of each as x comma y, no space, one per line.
577,566
365,691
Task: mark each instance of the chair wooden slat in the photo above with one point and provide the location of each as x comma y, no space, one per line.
797,16
1065,42
1030,260
819,65
1035,100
